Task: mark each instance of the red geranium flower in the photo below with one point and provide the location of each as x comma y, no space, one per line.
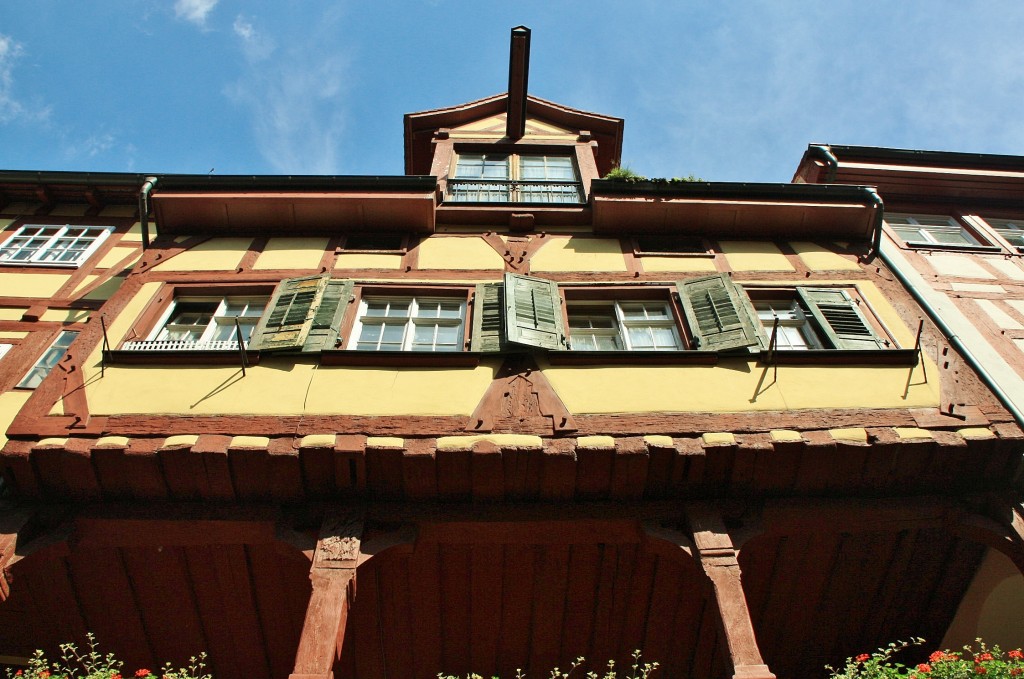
981,657
142,673
979,669
924,667
18,673
1016,670
862,657
1015,654
117,675
44,674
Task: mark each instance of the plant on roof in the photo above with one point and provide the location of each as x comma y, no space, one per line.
91,664
990,662
638,670
625,174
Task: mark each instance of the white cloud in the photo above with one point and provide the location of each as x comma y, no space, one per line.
11,106
195,11
255,44
296,100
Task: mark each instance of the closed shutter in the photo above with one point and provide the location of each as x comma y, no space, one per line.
839,318
488,312
719,314
323,333
292,307
533,312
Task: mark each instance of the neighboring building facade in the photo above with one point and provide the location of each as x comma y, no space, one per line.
954,234
494,413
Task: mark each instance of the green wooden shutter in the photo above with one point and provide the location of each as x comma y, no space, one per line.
533,312
290,318
839,318
719,314
488,317
327,320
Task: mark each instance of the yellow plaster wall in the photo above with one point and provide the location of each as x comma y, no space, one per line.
65,315
367,261
449,252
10,404
115,255
4,223
683,264
134,234
752,255
576,253
107,289
22,208
69,210
732,386
291,253
817,258
31,284
992,608
297,388
12,313
12,334
216,254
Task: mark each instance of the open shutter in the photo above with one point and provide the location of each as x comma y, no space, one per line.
719,314
327,320
839,318
290,318
533,312
488,315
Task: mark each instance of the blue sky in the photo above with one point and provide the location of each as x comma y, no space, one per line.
730,90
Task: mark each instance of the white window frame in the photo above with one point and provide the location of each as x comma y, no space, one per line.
622,323
925,232
1010,229
158,339
409,322
49,246
795,329
505,182
50,358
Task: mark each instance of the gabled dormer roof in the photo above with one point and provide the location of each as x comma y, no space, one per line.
420,128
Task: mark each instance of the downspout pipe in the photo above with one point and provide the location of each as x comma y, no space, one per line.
954,339
147,188
824,153
878,206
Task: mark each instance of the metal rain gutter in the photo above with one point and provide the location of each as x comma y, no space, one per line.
147,188
824,153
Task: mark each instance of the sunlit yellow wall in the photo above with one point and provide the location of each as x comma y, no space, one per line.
367,261
10,403
12,313
298,387
291,253
748,255
449,252
31,284
817,258
494,128
576,253
993,607
216,254
65,315
115,255
12,334
134,234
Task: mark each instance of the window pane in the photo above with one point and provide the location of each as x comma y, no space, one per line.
48,360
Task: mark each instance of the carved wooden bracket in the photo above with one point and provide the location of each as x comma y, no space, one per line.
719,560
517,398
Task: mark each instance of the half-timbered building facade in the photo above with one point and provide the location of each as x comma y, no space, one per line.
494,413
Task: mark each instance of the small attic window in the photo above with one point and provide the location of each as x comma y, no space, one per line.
375,242
514,178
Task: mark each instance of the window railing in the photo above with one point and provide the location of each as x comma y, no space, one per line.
181,345
509,191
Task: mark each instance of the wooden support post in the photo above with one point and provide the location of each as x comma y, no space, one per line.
718,559
334,579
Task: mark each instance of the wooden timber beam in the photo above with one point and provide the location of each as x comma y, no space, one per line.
11,524
341,548
518,79
719,560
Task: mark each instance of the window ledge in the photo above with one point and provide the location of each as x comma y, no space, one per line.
184,356
632,357
406,359
840,356
955,247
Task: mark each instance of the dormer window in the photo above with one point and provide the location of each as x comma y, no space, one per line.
515,178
